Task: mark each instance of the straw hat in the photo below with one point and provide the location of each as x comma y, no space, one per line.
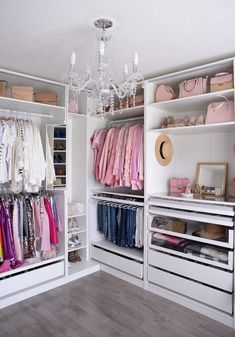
163,149
211,231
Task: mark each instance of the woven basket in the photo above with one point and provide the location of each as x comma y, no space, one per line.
3,88
46,97
23,93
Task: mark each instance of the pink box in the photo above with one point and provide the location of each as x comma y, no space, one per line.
178,185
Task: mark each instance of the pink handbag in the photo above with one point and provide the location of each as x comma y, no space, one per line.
164,92
193,87
220,112
221,81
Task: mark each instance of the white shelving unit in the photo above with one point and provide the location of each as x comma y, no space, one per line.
31,277
202,284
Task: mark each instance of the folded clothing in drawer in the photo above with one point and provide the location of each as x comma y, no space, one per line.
190,247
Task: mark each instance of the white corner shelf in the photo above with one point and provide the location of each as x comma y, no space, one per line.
77,231
76,215
30,107
76,248
132,253
192,103
75,115
197,129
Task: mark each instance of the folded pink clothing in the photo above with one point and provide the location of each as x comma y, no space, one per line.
5,266
167,238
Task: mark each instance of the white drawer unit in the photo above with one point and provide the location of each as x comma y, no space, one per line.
196,271
24,280
177,262
117,261
199,292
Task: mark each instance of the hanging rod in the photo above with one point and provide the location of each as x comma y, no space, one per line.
24,113
120,201
125,120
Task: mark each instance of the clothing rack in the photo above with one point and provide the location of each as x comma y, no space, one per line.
4,111
120,122
116,200
119,204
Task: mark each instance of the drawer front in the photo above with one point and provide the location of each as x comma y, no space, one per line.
193,206
202,293
31,278
192,227
214,277
118,262
194,216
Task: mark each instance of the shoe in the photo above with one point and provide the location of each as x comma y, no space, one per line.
77,256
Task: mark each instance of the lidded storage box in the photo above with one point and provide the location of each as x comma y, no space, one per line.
46,97
23,93
3,88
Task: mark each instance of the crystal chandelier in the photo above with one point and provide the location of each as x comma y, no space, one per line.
99,84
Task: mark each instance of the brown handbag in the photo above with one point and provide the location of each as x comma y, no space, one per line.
46,97
3,88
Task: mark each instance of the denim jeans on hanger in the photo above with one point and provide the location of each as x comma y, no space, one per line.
109,224
131,226
99,217
113,223
124,220
118,227
105,219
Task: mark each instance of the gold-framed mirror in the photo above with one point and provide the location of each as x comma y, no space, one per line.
211,178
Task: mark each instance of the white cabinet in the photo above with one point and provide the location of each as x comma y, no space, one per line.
180,271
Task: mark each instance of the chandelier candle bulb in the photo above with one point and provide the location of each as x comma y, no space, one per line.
125,69
102,48
136,59
73,58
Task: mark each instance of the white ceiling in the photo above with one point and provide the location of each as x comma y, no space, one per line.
37,36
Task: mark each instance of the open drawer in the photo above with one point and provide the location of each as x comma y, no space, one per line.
193,230
228,264
31,278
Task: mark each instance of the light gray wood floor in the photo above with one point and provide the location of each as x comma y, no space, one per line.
101,305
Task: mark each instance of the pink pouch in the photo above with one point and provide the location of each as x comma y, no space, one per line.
178,185
164,92
221,78
193,87
220,112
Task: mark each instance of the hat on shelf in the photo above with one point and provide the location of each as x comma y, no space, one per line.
163,149
211,231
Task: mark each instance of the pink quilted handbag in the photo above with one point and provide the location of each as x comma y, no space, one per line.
164,92
193,87
220,112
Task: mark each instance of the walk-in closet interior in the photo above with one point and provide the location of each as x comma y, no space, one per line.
117,149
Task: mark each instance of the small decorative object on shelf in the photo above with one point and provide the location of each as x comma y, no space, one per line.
179,185
73,224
